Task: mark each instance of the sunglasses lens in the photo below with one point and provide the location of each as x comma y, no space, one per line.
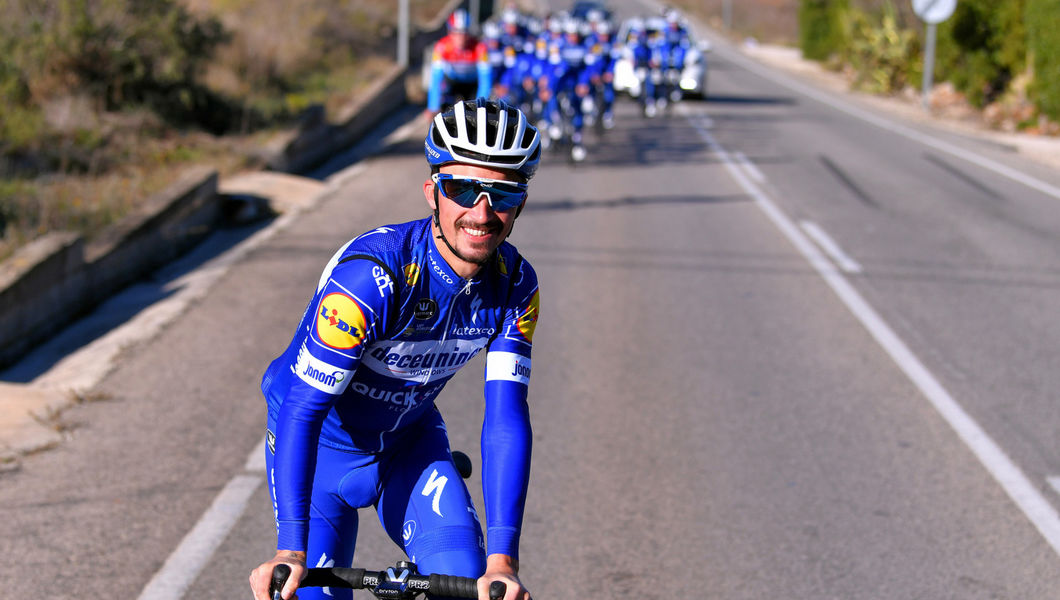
465,192
461,191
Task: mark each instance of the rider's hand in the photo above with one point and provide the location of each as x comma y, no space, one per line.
262,576
501,567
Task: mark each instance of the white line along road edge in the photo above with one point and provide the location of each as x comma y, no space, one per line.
895,127
196,550
1020,489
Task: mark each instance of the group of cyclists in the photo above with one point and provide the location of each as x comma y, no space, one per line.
559,69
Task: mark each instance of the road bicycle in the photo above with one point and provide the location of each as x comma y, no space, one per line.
400,582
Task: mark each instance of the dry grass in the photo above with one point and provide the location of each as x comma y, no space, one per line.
344,44
777,21
772,21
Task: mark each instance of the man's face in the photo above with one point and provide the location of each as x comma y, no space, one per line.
474,233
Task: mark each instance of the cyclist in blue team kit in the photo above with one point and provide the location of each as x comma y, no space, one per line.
352,421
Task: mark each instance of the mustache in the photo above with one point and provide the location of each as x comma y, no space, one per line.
487,225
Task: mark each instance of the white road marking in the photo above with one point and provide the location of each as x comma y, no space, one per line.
172,581
830,246
749,166
1018,487
896,127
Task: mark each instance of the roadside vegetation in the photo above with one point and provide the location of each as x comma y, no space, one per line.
997,61
108,101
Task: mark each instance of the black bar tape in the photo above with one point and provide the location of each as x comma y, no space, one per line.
454,587
337,577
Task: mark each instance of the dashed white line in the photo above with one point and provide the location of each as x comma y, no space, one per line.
1011,478
830,246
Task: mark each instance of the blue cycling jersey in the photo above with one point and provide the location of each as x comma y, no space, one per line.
389,324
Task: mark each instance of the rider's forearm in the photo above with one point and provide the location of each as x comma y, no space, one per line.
297,434
506,449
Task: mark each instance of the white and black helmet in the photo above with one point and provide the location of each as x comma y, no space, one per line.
488,133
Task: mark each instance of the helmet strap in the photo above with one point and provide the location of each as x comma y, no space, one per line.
438,225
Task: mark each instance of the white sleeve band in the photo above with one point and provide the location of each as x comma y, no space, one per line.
507,366
319,374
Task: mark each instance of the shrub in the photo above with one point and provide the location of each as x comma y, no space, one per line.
821,28
982,47
884,57
1043,40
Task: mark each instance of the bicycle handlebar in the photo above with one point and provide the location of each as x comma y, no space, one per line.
399,581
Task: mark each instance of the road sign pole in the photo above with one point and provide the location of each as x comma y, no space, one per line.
403,33
929,66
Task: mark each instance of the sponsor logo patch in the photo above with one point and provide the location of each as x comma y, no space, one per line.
340,322
412,273
426,308
319,374
507,366
408,531
528,320
422,361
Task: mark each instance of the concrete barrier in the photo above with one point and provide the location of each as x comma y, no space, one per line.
60,277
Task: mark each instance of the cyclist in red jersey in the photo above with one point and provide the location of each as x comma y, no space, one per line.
460,66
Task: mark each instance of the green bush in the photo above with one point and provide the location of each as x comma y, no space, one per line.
1043,40
821,28
982,47
884,56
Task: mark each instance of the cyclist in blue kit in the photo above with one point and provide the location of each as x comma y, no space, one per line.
398,310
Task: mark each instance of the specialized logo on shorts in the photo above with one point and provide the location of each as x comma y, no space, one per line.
340,322
528,320
412,273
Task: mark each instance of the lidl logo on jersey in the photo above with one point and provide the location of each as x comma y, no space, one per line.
340,322
319,374
528,320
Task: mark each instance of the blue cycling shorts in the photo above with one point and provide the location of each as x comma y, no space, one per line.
420,498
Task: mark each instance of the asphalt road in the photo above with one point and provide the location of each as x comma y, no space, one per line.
720,409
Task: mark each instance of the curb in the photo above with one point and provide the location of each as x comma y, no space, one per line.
30,422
